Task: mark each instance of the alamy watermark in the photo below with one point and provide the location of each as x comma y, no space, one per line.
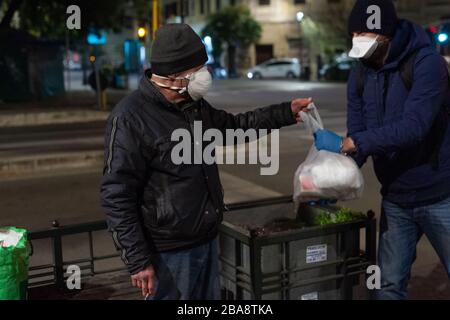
374,20
373,281
73,281
73,21
190,150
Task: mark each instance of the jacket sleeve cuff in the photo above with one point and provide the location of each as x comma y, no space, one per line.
134,268
362,152
288,116
362,147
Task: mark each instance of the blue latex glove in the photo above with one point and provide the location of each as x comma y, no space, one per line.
327,140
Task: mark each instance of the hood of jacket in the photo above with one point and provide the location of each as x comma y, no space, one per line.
408,38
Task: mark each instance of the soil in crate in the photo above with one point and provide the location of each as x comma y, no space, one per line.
274,226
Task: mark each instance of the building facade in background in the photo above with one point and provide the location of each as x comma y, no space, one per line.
311,30
281,31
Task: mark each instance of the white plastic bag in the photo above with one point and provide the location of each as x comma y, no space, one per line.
324,174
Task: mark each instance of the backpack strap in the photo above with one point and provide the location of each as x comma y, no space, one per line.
406,72
440,124
407,69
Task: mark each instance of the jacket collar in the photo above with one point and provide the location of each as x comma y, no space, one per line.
408,38
148,89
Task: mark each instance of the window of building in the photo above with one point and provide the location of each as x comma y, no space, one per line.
192,7
184,10
170,10
299,1
202,6
264,2
264,52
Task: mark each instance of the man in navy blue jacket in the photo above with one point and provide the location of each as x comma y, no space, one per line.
398,102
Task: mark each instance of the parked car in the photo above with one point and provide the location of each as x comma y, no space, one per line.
276,68
338,70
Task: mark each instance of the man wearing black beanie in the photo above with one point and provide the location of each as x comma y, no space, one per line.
164,216
398,109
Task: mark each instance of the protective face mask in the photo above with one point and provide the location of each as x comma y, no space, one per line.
363,47
199,83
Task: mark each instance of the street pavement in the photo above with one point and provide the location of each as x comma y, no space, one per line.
71,195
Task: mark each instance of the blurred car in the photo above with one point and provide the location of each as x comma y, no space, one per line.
276,68
72,61
217,71
339,70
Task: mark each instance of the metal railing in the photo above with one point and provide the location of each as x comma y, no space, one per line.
54,273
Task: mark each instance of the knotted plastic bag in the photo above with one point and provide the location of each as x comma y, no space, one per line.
14,256
324,174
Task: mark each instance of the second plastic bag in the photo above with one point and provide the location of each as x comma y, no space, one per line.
324,174
14,255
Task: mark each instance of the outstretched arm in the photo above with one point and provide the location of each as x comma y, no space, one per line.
271,117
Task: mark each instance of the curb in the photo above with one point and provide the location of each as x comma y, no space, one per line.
51,117
17,166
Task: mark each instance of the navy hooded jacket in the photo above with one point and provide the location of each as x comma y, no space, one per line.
397,127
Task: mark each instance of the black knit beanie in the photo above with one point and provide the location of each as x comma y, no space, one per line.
357,22
176,48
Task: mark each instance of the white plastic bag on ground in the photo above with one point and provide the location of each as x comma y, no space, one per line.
324,174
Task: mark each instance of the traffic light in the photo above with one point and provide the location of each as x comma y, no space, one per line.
433,29
141,32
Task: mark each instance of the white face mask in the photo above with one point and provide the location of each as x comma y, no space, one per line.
199,83
363,47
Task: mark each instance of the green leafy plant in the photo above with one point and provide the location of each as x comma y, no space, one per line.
340,216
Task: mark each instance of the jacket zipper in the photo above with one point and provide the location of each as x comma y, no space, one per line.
380,122
191,125
111,143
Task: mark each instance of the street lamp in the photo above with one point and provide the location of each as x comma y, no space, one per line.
299,16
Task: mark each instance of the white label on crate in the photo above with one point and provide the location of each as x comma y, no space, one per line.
310,296
316,253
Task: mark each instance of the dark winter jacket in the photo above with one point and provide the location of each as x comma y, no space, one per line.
153,205
405,132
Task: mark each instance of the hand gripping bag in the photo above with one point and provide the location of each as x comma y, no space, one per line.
324,174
